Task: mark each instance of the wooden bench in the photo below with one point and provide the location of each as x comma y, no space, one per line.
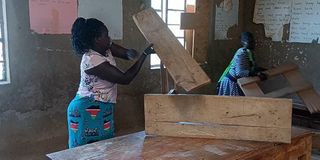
140,146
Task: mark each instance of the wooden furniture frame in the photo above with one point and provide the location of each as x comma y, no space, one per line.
297,84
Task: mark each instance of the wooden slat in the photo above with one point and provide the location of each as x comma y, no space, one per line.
271,72
185,71
252,90
247,80
244,118
287,90
281,69
189,34
309,97
202,34
297,84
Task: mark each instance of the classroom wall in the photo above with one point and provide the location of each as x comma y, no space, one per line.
44,78
268,53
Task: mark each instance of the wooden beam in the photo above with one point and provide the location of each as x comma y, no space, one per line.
205,116
200,22
184,70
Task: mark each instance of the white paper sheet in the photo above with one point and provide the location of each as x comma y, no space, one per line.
305,21
226,17
107,11
274,14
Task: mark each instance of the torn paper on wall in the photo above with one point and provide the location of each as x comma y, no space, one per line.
107,11
274,14
226,17
305,21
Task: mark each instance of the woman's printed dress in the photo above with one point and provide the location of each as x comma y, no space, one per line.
90,113
240,67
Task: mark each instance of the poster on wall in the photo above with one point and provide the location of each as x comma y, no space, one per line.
226,17
303,16
305,21
52,16
107,11
274,14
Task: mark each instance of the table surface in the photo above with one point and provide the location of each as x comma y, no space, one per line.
140,146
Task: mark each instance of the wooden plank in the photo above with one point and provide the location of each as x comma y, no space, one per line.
189,34
281,69
309,97
243,118
252,89
139,146
287,90
185,71
201,36
164,79
271,72
248,80
297,84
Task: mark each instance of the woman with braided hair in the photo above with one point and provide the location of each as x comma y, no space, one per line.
90,113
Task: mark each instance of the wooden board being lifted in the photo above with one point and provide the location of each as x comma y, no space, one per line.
184,70
207,116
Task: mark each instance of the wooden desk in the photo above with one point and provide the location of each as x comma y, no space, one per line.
139,146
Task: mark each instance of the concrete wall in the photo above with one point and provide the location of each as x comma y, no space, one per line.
44,78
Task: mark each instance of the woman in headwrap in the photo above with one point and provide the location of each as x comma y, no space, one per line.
242,65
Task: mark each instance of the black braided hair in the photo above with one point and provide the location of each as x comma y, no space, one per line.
84,32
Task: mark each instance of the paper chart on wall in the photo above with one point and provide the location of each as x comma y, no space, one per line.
226,17
305,21
274,14
107,11
52,16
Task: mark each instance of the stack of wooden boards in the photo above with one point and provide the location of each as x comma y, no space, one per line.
242,118
297,84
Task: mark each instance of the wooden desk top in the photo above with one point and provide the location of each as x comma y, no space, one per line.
139,146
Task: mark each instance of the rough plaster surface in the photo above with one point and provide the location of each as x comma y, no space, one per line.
45,75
